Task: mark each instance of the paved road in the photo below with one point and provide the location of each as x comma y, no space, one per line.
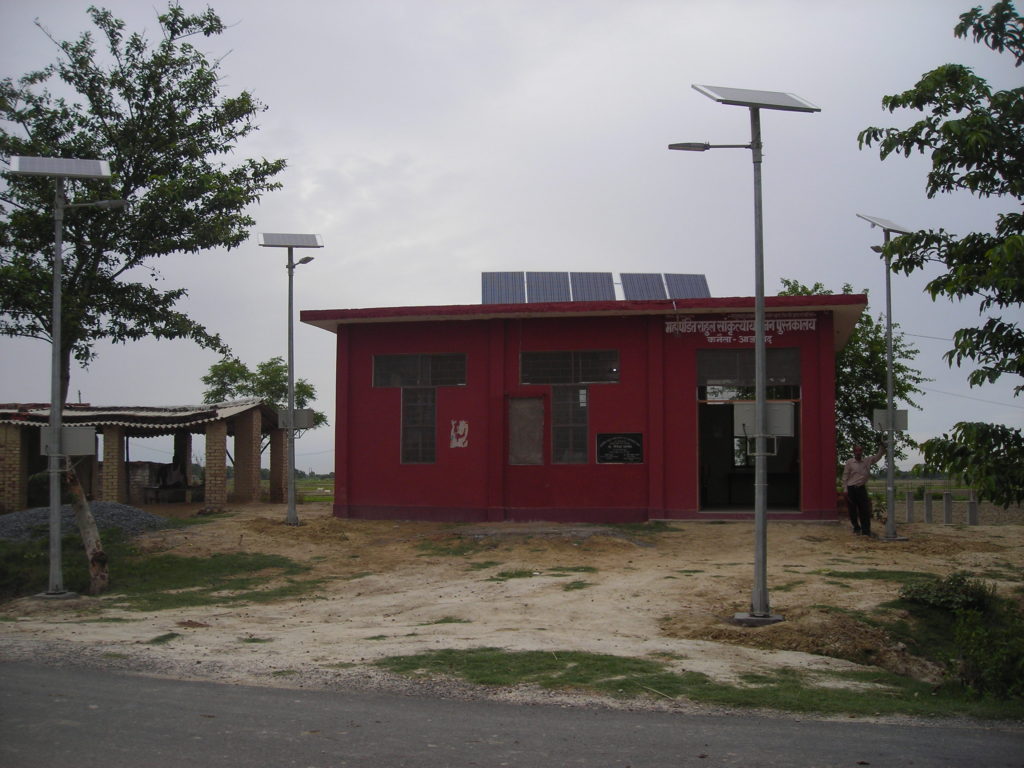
54,717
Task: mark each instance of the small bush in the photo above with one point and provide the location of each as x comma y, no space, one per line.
956,592
992,652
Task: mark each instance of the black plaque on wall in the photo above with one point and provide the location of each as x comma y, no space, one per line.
620,448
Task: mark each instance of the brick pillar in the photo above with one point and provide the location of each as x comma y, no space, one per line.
247,455
13,469
216,464
112,480
183,452
278,465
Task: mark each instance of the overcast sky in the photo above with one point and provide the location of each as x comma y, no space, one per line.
431,140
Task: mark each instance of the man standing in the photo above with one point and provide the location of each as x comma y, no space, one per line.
855,478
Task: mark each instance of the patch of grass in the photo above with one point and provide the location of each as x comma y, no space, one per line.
573,569
483,565
115,655
359,575
445,620
506,575
574,585
870,692
789,586
251,639
164,638
107,620
876,574
284,672
377,637
690,570
648,528
453,546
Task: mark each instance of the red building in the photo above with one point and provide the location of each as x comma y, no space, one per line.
596,411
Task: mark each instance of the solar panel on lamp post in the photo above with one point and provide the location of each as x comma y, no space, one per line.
291,241
61,168
888,228
760,610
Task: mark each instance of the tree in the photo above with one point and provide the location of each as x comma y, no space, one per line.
155,111
231,379
975,137
861,376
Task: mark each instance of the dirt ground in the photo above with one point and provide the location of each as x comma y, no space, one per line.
401,588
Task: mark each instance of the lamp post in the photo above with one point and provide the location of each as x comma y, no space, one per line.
760,611
61,168
291,241
888,228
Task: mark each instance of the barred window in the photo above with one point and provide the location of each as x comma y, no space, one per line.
577,367
569,425
419,370
418,430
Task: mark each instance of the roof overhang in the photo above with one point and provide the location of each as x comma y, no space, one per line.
139,421
845,308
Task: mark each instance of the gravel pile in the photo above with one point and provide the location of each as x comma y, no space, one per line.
108,514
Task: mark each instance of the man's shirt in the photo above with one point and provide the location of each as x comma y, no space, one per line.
856,472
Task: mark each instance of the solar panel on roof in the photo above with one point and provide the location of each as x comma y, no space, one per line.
592,286
687,286
60,166
547,286
637,286
502,288
286,240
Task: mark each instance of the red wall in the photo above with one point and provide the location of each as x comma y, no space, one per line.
655,396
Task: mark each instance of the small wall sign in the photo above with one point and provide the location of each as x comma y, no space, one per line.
620,448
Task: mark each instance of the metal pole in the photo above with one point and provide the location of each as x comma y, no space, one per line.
54,448
890,482
293,517
759,607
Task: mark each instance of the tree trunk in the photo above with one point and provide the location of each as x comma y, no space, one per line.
99,573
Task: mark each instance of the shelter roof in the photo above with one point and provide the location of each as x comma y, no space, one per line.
139,421
846,310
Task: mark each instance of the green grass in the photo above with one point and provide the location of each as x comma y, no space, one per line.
623,677
164,638
453,546
251,639
483,565
574,585
877,574
506,575
445,620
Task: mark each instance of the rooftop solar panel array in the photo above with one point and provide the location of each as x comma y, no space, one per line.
637,286
535,287
503,288
592,286
547,286
687,286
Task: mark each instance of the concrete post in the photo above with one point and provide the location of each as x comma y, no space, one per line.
972,509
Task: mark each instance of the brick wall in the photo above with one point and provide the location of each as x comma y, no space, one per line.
13,469
278,465
112,486
216,464
247,456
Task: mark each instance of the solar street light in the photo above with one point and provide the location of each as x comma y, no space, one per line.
755,101
61,168
888,228
291,241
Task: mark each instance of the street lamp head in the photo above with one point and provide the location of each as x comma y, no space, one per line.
691,146
304,260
